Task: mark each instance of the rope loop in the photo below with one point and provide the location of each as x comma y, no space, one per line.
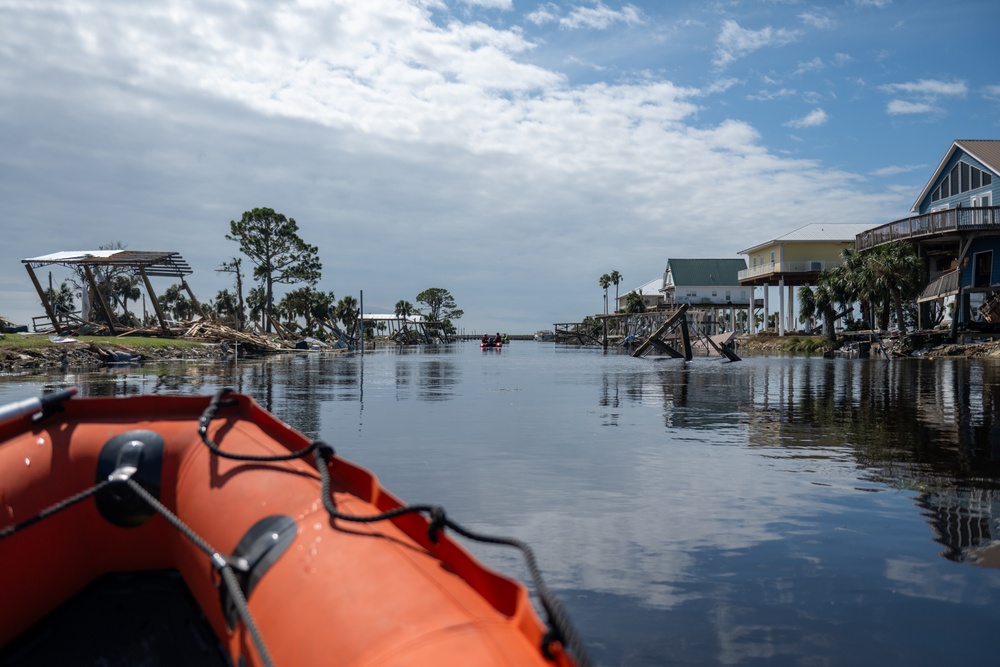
438,521
324,451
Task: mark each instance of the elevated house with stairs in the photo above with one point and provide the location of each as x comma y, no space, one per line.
956,231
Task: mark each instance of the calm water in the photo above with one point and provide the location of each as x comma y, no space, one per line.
774,511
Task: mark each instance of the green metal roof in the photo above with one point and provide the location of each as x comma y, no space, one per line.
706,271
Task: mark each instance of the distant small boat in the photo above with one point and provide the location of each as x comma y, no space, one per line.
544,335
291,559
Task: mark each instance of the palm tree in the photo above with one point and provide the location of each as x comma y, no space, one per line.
298,303
903,273
819,301
403,310
634,303
255,303
322,307
347,312
616,279
224,306
173,301
855,282
605,282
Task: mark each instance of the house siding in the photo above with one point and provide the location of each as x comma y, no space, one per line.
981,245
800,252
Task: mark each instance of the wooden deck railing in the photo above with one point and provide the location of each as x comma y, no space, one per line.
982,218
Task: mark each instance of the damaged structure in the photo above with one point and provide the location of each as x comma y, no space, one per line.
90,264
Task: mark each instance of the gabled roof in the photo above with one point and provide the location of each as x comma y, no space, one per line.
689,272
836,232
987,151
652,288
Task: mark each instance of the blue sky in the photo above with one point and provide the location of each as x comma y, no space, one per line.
510,152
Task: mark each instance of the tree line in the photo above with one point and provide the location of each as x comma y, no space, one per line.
885,281
270,243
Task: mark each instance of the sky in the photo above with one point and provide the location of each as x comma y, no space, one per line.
508,151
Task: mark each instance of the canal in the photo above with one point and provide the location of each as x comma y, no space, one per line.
775,511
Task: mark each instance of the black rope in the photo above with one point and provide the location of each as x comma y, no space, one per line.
223,564
208,415
560,627
54,509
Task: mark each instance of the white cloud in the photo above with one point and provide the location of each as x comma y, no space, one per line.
895,170
819,20
880,4
735,42
393,140
766,95
596,17
902,107
600,17
814,118
814,65
505,5
929,87
547,13
991,92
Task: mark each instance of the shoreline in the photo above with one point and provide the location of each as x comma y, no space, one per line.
94,354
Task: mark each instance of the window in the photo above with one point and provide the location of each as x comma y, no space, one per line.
963,177
772,257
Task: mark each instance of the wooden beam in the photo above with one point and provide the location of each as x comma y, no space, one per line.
667,349
671,322
686,339
194,299
100,299
152,297
45,302
722,346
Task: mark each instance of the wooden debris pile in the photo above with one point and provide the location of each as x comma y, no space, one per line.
213,332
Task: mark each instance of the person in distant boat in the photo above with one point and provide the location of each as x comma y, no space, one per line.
486,339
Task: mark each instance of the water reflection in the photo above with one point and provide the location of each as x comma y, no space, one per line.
915,425
715,513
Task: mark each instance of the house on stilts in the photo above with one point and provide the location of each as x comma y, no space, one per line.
955,230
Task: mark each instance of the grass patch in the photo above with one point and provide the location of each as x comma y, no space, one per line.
39,341
807,344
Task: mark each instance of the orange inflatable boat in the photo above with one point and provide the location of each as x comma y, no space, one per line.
289,554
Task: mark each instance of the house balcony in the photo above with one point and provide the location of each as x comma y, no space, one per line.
796,272
937,223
